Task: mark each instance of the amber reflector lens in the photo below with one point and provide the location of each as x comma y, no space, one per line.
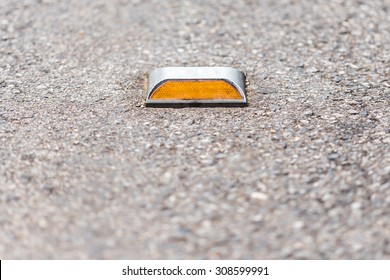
196,90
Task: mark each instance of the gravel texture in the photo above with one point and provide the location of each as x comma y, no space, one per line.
87,172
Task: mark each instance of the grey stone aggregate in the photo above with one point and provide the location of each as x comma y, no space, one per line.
88,172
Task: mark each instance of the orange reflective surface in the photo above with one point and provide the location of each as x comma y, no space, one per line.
196,90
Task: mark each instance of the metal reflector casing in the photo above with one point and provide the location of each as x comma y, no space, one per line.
196,85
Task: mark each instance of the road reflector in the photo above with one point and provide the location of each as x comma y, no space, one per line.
222,86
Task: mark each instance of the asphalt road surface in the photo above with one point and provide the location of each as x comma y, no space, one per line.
88,172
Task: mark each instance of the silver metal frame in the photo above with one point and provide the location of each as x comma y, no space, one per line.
234,77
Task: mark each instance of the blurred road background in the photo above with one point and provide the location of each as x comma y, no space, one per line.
86,171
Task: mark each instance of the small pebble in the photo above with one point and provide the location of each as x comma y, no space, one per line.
337,79
259,196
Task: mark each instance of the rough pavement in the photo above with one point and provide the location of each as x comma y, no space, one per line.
86,171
